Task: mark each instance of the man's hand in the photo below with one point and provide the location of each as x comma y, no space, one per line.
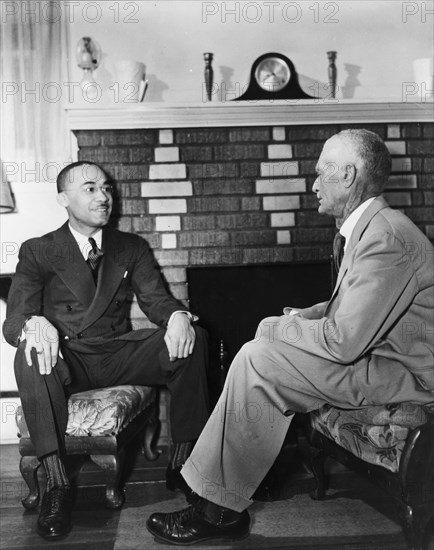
180,337
290,311
316,311
44,337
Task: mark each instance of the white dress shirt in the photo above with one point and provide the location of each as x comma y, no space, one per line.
83,241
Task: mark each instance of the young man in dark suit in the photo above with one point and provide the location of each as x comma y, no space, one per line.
68,314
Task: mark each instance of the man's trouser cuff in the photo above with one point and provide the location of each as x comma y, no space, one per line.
209,490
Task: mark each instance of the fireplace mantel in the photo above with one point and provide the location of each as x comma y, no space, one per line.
260,113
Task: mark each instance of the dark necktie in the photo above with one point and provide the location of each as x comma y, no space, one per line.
338,250
94,257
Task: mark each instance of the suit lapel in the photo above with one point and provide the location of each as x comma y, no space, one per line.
68,262
378,204
111,272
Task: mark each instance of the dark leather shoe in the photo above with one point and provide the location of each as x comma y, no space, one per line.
55,515
190,526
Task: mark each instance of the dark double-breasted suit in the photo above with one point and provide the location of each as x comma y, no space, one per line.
98,347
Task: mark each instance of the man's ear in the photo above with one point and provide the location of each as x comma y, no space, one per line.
62,199
350,173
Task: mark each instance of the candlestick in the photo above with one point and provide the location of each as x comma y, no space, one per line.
333,72
209,73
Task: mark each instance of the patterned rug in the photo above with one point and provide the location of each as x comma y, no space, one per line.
340,522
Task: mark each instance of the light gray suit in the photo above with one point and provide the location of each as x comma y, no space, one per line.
372,343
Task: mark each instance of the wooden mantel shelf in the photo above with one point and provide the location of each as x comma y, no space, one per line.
260,113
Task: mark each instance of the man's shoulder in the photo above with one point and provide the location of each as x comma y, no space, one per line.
126,244
124,237
394,223
397,222
46,239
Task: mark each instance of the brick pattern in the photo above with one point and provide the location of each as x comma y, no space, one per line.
222,196
243,195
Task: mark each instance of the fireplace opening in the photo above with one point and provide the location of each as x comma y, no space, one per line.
232,300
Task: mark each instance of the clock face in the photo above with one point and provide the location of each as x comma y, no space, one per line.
272,74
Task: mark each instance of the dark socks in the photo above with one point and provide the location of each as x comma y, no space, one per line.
181,451
55,471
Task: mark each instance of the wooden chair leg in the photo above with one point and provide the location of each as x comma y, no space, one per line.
317,460
29,470
73,465
412,527
428,536
150,437
111,464
418,526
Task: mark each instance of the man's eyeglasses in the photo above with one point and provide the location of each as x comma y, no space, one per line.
92,189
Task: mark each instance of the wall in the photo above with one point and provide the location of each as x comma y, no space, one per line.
36,213
225,196
376,42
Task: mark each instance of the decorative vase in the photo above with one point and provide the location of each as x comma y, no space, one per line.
131,81
88,55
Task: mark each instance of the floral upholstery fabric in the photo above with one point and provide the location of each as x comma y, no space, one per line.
374,434
101,412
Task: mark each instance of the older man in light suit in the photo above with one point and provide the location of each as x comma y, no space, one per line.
68,312
370,344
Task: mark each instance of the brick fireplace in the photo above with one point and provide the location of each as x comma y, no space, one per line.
232,186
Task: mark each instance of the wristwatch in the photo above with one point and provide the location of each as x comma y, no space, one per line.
191,317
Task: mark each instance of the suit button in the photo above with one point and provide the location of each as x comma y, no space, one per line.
68,308
118,303
80,335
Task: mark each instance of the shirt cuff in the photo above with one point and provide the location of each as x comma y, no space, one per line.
192,318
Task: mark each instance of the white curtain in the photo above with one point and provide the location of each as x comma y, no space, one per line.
34,139
35,142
